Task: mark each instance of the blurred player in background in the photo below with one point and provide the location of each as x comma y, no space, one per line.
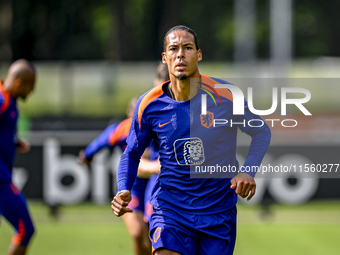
19,83
190,215
115,135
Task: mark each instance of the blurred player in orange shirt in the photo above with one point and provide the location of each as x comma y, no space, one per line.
149,167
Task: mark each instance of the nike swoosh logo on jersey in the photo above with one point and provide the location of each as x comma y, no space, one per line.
161,125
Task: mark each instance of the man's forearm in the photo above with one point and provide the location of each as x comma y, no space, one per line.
258,148
127,169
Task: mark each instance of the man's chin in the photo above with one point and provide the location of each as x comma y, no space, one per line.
182,77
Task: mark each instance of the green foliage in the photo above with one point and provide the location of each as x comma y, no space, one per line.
133,30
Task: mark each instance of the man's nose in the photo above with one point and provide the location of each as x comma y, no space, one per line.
180,53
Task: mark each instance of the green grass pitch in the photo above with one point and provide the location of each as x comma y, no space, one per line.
91,229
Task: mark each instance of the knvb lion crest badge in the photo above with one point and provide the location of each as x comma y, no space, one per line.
189,151
193,152
207,120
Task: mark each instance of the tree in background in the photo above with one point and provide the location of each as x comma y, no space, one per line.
132,30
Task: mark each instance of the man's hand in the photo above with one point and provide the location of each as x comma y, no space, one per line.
82,158
22,147
244,184
120,202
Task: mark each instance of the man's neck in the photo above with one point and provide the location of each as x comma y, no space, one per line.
6,87
182,89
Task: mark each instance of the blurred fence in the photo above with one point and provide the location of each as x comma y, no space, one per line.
103,88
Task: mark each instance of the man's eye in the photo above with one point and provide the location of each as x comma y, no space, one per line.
188,47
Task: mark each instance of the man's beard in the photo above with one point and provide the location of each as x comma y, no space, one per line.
182,77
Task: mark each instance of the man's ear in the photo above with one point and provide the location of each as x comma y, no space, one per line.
163,57
199,55
16,83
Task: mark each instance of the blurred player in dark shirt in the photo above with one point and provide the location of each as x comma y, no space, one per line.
18,84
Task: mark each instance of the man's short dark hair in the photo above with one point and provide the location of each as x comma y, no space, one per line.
182,28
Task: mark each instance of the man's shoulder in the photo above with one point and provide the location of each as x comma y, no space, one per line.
149,97
120,132
209,84
4,100
152,94
2,95
124,126
213,80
